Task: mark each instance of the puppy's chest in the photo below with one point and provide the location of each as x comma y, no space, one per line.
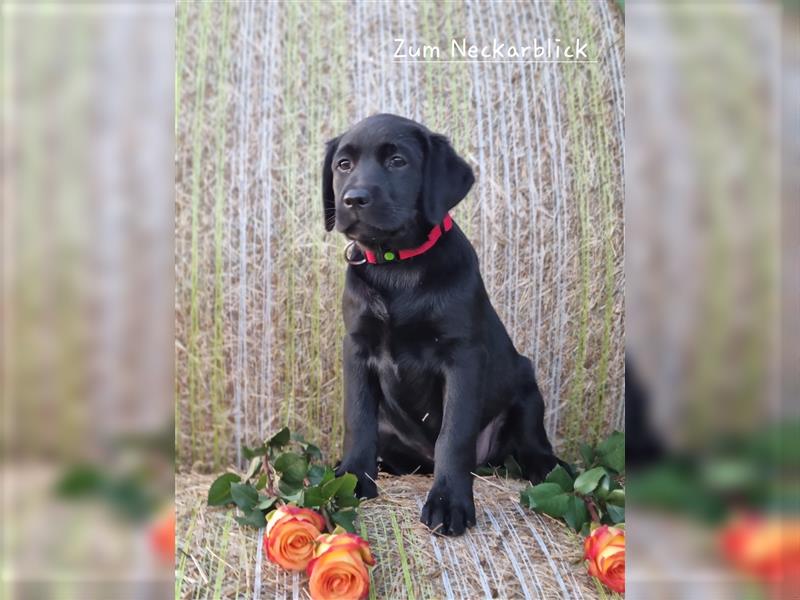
400,331
405,345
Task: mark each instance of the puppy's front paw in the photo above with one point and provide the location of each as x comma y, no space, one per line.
365,488
449,511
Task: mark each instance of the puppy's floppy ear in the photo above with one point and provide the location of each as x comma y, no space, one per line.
328,205
446,178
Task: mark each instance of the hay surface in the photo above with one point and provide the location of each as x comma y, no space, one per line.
511,553
260,87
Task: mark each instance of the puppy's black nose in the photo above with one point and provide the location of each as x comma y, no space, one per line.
356,198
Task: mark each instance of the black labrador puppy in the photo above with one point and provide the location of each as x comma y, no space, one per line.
432,381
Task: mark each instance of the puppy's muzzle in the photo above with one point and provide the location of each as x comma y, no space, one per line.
356,198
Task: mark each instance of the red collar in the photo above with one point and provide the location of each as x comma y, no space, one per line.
382,256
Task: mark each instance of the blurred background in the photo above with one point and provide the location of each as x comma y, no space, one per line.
87,300
711,231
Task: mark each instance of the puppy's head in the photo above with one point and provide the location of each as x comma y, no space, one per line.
388,180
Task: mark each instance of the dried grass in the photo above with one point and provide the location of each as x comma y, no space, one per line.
260,87
511,553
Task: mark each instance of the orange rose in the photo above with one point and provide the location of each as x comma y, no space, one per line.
290,535
162,536
763,547
605,551
355,543
338,570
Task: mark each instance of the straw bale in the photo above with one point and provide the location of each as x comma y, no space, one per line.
510,553
261,86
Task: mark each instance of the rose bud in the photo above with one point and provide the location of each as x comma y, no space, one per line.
290,535
338,571
605,551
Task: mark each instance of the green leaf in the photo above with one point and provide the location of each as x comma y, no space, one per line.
616,513
604,487
345,518
331,488
547,498
674,485
313,497
347,502
612,452
219,493
130,498
730,474
560,476
328,476
293,467
280,439
347,487
291,492
251,453
588,480
266,502
81,480
777,444
255,463
312,452
577,514
244,495
587,454
262,482
616,498
586,529
316,474
253,518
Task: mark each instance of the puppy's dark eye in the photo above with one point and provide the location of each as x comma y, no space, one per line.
344,165
396,162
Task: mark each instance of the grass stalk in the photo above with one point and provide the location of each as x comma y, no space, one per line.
288,182
184,553
218,343
372,593
398,537
223,550
194,302
607,232
317,371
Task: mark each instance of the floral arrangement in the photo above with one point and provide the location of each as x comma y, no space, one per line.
590,498
336,563
277,475
308,514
